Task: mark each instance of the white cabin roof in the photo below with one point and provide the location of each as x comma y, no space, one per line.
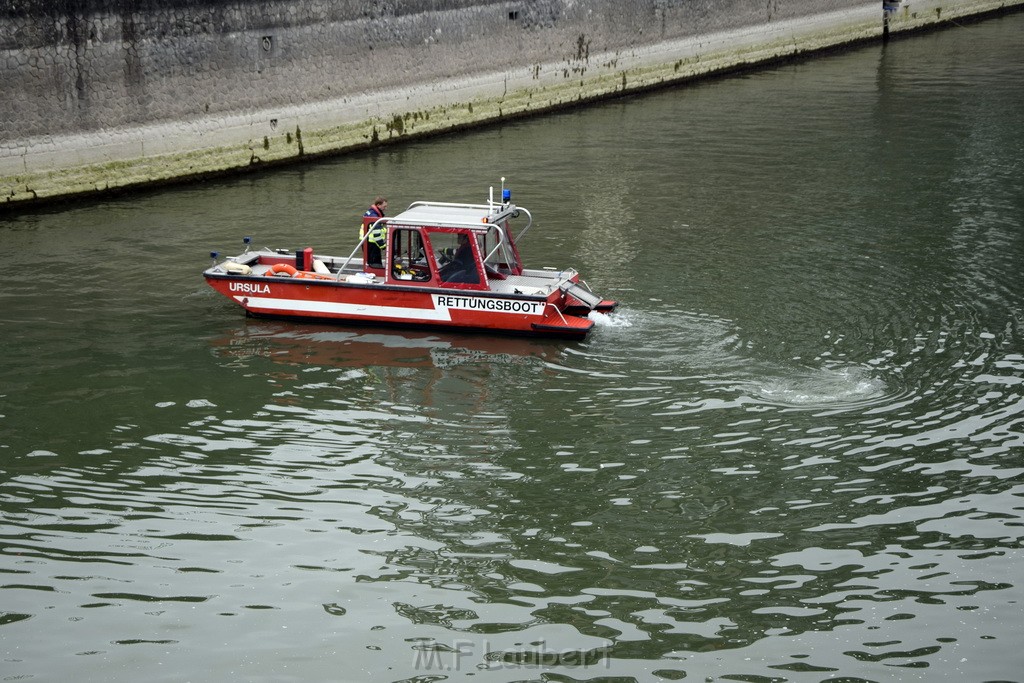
448,215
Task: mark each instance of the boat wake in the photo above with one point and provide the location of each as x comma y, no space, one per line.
617,319
709,350
835,387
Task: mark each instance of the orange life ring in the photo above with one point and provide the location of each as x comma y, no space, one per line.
282,269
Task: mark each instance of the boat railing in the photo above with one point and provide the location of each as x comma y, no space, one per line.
500,243
359,245
489,208
450,205
529,222
564,321
504,212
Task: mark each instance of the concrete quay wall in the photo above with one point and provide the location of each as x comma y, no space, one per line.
101,95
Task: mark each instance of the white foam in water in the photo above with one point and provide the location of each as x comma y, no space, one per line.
827,386
610,319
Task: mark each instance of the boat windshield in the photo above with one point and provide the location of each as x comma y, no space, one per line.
408,255
457,255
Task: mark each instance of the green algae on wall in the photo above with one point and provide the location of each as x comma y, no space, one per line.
428,109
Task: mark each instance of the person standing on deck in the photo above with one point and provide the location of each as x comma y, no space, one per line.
377,238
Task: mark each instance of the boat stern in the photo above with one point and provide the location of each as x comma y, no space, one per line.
564,326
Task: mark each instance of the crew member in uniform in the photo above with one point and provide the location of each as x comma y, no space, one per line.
378,237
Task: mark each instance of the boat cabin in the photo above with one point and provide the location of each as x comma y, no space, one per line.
438,245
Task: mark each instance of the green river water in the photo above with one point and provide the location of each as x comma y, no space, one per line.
794,453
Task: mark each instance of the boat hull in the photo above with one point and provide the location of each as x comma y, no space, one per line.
345,302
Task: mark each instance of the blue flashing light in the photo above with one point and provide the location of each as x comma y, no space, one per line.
214,254
247,239
506,195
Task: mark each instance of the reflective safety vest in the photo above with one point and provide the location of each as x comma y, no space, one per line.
378,236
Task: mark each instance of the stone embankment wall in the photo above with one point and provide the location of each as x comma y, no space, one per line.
97,95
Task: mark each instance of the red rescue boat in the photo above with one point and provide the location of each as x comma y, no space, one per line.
444,265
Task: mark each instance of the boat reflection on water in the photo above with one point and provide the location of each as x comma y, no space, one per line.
406,400
331,346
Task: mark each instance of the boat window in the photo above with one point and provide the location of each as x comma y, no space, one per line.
455,256
407,256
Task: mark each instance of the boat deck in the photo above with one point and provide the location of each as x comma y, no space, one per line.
530,283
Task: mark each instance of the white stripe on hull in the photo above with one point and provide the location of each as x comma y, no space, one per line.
300,306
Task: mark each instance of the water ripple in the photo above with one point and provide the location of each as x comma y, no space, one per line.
792,453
